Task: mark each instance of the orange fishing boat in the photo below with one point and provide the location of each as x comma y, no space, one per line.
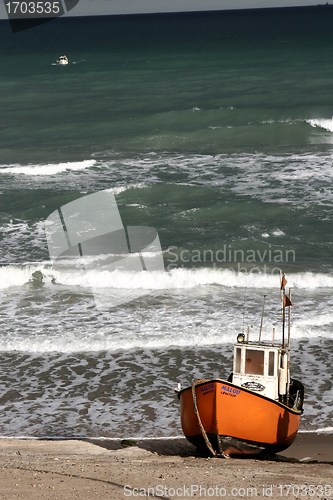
257,409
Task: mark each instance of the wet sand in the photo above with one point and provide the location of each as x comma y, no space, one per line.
66,469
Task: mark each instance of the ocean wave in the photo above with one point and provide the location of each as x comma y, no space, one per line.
326,124
100,278
293,178
324,430
58,311
47,168
273,178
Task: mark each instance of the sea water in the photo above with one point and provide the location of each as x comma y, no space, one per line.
216,130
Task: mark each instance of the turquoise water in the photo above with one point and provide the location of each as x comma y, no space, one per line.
216,130
179,84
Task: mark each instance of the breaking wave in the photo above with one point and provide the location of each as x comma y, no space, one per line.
47,169
324,123
18,275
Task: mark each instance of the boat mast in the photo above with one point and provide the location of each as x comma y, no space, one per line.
286,302
288,351
283,351
283,293
283,321
262,317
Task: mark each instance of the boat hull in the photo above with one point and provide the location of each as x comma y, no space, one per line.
236,420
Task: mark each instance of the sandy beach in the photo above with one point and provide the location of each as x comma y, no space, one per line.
39,469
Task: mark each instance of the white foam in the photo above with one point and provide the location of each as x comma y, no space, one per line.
324,430
48,168
205,305
191,278
278,232
99,277
121,189
326,124
15,275
271,178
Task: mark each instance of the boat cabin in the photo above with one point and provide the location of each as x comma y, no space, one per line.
260,367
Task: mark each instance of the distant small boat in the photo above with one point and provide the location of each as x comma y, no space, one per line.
62,60
257,409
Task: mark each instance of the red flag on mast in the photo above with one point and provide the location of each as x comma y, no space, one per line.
283,282
287,302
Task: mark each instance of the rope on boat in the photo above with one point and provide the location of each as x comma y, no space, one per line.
203,432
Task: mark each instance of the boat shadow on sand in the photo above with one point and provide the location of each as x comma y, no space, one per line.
181,448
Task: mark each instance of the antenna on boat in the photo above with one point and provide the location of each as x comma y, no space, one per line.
262,317
288,351
283,299
289,316
243,316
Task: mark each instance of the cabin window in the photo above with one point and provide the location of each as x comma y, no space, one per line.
254,362
271,363
238,360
